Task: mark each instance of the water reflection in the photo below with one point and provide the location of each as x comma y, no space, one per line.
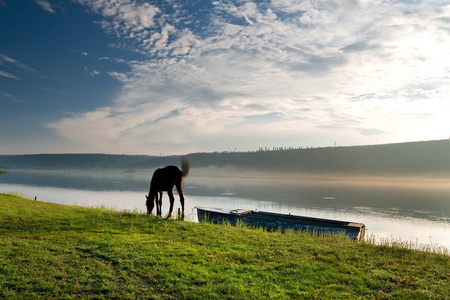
408,210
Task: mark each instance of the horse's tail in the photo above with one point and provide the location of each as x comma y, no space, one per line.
185,165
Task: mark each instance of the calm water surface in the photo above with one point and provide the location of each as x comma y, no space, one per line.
409,210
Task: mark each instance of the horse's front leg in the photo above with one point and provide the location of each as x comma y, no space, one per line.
157,204
172,200
180,192
150,203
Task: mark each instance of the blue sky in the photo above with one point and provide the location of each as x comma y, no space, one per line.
174,77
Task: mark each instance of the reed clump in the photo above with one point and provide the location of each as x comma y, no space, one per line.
397,242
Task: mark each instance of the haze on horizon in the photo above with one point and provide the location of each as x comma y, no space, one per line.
163,77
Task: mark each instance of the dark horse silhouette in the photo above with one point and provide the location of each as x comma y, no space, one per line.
164,179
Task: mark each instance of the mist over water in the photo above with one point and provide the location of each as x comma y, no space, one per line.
409,209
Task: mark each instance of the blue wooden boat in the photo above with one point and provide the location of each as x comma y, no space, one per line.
276,221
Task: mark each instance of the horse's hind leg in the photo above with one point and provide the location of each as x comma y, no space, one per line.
172,200
180,192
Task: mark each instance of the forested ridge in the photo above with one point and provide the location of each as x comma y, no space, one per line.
413,158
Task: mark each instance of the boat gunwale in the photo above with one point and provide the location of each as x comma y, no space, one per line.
287,218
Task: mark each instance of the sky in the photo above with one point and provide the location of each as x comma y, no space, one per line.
170,77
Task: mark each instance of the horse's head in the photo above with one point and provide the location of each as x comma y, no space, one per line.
150,203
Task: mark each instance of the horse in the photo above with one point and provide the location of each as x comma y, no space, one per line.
164,179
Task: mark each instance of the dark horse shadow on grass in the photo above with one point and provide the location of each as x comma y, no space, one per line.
164,179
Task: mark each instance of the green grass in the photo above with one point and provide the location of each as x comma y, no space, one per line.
52,251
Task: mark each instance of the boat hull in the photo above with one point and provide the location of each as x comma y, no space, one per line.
274,221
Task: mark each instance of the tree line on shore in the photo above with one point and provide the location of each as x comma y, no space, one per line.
413,158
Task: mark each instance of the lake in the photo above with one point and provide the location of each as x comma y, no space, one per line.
409,210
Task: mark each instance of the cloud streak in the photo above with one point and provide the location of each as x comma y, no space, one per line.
12,98
45,6
280,71
8,75
14,65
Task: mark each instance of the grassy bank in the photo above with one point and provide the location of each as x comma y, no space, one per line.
57,251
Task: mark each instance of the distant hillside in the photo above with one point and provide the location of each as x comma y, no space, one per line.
416,158
73,161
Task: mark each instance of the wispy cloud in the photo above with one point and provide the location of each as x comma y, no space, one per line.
347,68
81,52
126,18
45,5
12,98
8,75
92,73
56,91
14,65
